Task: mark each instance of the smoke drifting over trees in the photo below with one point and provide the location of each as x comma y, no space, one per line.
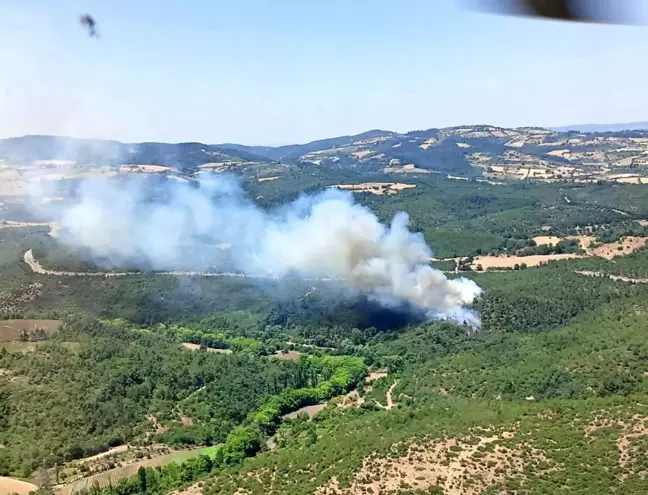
211,225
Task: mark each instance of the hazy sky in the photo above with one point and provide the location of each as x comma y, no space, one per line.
283,71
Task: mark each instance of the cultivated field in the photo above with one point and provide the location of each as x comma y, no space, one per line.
105,478
12,486
144,168
494,262
378,188
623,247
196,347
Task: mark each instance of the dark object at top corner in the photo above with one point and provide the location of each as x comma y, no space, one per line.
597,11
553,9
87,21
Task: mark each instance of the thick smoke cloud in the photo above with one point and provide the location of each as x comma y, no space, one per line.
327,235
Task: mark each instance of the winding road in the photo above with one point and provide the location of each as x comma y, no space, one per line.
36,267
388,396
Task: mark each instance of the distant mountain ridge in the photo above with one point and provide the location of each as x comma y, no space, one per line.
464,151
627,126
293,150
28,149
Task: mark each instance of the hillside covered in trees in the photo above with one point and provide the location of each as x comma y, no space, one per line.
226,385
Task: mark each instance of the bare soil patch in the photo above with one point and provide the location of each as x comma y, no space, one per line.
309,410
264,179
11,330
144,168
622,247
196,347
376,375
11,485
192,490
378,188
547,239
115,450
427,144
288,356
351,400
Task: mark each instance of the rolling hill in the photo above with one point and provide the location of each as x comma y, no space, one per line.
494,153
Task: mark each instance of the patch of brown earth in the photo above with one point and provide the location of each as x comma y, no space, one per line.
378,188
549,240
14,486
144,168
488,262
158,427
351,400
115,450
622,247
288,356
308,410
192,490
375,375
196,347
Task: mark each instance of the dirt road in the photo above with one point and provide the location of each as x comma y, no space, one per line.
54,227
36,267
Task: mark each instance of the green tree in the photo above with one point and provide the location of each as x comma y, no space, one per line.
141,475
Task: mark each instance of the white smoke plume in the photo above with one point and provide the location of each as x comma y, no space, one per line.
326,235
